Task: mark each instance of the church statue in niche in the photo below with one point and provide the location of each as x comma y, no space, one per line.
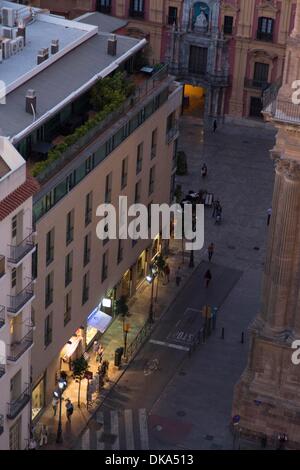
200,17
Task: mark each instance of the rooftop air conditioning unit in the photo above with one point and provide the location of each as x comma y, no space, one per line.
20,41
8,17
6,50
16,45
9,33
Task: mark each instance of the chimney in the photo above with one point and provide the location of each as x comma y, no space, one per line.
31,102
54,46
43,55
22,33
112,45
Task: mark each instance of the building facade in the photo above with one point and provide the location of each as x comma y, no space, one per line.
16,295
267,395
257,31
81,153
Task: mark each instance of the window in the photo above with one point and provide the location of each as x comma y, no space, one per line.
89,164
153,143
70,227
48,330
149,214
137,194
104,273
13,278
108,186
265,29
14,227
34,263
151,180
85,288
139,158
88,208
261,74
172,16
68,308
15,435
50,247
198,60
124,173
171,121
228,24
87,250
49,289
68,268
120,251
136,8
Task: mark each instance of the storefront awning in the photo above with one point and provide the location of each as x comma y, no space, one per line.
70,348
99,320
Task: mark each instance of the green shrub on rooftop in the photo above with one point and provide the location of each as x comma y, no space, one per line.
106,97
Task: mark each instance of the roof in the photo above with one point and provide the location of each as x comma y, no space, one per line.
106,23
11,202
60,80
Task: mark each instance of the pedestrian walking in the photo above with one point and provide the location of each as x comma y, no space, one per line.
32,444
204,171
100,352
178,276
44,436
69,409
167,273
211,250
55,402
95,347
215,125
207,278
216,204
269,214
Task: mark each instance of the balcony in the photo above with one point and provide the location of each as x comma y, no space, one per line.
263,36
17,252
2,316
106,9
140,14
16,406
16,302
172,133
256,84
19,347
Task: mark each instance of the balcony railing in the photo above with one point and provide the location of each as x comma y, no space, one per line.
284,111
2,315
18,348
262,36
17,252
171,133
257,84
106,9
16,302
16,406
140,14
1,424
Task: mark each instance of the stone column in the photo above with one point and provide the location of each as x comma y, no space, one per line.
281,263
296,30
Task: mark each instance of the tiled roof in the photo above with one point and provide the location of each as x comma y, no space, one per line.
11,202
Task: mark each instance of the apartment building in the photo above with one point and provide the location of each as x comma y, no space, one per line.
16,295
83,156
257,31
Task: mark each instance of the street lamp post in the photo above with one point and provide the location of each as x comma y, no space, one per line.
61,386
151,278
126,331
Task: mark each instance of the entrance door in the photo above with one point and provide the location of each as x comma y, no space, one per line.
15,435
256,107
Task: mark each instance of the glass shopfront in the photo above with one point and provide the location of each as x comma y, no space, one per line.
38,398
141,267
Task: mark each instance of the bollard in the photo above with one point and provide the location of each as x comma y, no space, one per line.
242,338
223,333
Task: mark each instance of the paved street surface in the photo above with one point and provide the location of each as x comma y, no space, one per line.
167,398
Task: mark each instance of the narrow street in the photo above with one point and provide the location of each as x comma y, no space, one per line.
167,399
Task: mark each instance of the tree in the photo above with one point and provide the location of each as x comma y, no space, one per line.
80,367
122,308
160,263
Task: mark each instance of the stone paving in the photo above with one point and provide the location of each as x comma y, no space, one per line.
239,174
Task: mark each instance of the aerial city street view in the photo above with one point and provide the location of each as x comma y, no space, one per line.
150,227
